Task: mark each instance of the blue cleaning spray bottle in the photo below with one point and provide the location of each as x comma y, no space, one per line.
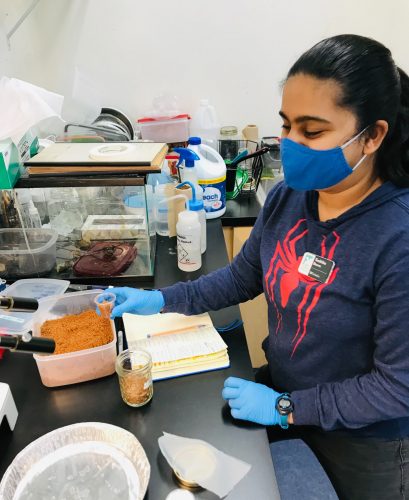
188,172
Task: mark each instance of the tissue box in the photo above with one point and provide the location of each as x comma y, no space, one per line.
28,145
10,168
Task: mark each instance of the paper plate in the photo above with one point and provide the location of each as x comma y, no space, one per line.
88,460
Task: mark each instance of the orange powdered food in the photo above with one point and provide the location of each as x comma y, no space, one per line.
78,331
105,308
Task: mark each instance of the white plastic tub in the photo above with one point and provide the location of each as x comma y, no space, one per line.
19,260
166,129
80,366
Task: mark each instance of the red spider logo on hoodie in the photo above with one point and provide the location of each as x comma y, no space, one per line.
285,259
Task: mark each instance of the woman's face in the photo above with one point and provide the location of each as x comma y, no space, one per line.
312,117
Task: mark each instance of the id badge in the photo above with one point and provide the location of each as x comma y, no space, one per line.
316,267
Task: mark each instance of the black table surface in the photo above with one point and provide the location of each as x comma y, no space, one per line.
242,211
188,406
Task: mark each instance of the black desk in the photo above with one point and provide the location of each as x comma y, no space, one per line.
242,211
188,406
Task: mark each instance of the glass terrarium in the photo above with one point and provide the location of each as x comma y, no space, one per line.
84,231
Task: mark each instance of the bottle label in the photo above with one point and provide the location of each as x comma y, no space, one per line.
188,250
214,195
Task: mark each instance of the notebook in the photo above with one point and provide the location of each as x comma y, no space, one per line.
194,347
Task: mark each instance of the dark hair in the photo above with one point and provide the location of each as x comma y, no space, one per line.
373,88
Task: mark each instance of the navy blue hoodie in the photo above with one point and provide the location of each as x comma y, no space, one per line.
342,347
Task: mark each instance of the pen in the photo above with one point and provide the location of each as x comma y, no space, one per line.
192,328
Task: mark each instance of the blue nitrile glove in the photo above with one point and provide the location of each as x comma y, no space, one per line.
134,301
251,401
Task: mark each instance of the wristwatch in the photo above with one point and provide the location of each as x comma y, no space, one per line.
284,406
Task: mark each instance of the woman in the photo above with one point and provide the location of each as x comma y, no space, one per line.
330,251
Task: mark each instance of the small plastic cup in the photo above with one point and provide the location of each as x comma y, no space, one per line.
105,303
134,369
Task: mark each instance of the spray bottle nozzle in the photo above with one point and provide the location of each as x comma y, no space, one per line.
186,155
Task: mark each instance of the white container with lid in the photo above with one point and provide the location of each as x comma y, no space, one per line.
211,175
79,366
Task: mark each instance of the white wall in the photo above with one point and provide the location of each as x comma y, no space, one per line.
234,52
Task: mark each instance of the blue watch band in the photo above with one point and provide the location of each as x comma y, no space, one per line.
283,421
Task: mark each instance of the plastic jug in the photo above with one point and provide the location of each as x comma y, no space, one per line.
211,175
204,124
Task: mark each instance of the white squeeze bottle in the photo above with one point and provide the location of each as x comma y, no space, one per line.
188,232
210,171
196,205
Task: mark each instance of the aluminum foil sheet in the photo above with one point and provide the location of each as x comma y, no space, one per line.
86,461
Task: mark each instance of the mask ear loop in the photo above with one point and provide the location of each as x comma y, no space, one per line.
360,161
350,142
354,138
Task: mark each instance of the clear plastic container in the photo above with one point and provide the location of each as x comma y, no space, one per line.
165,129
105,302
205,124
161,210
17,260
80,366
36,288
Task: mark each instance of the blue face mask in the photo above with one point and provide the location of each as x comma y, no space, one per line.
306,169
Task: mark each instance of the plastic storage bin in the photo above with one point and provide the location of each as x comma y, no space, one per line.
19,260
165,129
36,288
80,366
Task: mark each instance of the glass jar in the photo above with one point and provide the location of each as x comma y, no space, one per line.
134,369
229,142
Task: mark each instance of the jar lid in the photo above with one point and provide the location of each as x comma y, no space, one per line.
228,130
187,483
180,494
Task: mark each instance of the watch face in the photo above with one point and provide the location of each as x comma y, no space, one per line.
284,405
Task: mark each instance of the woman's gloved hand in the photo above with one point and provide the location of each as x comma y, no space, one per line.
134,301
251,401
